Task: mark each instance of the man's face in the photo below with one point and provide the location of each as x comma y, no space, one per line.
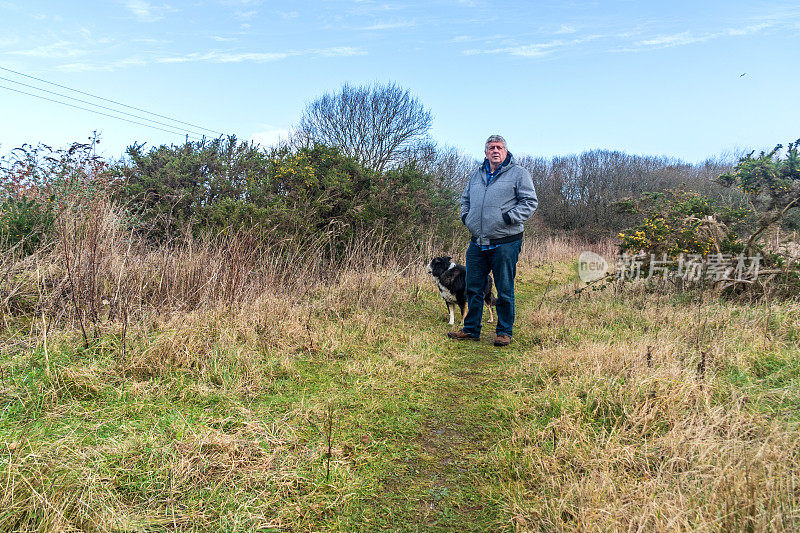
496,153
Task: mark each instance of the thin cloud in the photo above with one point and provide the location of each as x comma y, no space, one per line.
146,12
365,8
59,50
9,40
478,38
677,39
213,57
390,25
89,67
150,40
780,15
260,57
90,39
225,57
749,29
535,49
84,67
686,38
565,29
339,51
45,16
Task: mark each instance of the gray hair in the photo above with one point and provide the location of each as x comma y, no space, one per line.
495,139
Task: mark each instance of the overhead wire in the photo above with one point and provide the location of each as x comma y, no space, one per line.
110,100
195,137
96,105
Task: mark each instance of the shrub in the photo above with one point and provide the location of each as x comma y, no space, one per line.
771,183
166,188
682,222
224,185
37,183
25,223
710,233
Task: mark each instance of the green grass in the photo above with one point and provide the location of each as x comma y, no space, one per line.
219,421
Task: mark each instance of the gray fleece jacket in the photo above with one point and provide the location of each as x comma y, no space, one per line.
495,213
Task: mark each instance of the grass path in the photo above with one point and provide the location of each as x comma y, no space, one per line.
450,483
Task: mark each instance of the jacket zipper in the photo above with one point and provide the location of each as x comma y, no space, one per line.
483,202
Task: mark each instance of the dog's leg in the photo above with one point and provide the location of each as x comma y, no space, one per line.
491,315
452,318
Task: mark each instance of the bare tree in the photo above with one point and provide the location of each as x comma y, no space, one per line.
375,124
580,191
453,168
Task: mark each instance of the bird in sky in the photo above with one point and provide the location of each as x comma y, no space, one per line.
742,75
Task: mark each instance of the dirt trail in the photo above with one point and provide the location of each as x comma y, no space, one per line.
460,428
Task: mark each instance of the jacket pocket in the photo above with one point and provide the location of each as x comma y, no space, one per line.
473,221
493,224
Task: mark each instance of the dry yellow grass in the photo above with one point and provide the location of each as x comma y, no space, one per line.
622,409
650,412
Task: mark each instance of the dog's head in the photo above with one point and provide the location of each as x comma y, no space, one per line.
439,265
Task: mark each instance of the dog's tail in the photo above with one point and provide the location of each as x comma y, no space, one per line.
488,294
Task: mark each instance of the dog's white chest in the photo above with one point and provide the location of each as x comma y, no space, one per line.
448,296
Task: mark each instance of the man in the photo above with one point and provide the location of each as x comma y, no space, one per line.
498,199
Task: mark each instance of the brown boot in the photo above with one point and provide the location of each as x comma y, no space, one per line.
502,340
461,336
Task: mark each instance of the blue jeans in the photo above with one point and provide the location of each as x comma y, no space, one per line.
502,262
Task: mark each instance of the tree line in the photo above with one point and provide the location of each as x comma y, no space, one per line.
361,159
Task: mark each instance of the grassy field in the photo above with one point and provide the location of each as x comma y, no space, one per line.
345,408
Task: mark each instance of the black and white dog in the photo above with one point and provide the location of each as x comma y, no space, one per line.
451,280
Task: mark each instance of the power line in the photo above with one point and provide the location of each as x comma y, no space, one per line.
97,112
112,101
92,103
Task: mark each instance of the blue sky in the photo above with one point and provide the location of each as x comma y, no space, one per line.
552,77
